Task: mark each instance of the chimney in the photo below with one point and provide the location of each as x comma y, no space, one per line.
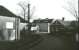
62,18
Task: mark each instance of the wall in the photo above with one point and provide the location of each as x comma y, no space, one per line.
4,33
43,27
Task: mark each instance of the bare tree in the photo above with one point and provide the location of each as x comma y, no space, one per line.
71,7
27,12
74,11
24,8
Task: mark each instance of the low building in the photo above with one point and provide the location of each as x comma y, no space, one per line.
9,25
60,26
43,25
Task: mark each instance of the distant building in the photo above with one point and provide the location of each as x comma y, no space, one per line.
43,24
60,26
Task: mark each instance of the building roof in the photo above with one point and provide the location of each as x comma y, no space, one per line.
5,12
43,21
65,23
22,20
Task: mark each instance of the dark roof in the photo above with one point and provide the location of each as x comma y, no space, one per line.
22,20
43,21
5,12
64,23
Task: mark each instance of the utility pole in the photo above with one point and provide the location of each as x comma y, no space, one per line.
77,34
29,25
78,16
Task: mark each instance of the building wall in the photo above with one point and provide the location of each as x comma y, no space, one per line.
43,27
5,31
57,28
3,21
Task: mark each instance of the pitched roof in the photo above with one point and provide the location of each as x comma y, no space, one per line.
65,23
5,12
22,20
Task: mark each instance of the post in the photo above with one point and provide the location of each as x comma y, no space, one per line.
78,22
17,29
29,25
78,16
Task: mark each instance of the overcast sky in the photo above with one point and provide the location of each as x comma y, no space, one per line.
43,8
